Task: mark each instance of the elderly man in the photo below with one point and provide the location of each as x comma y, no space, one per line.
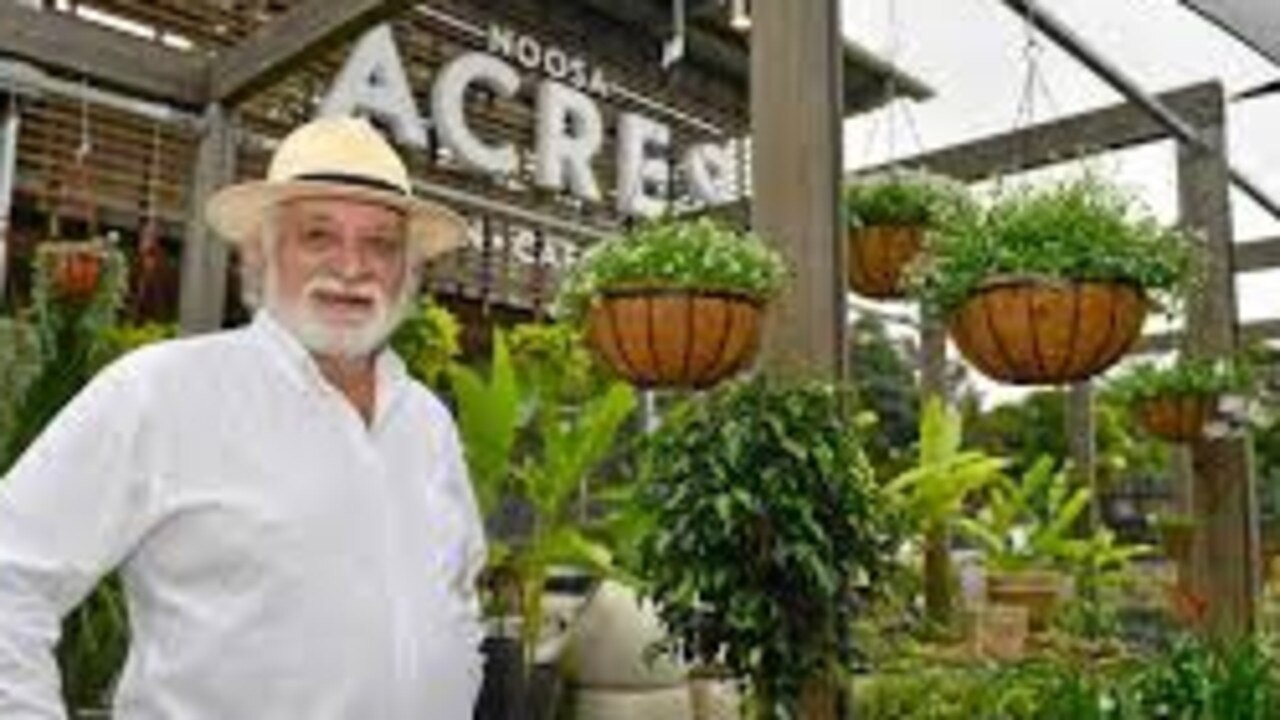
289,512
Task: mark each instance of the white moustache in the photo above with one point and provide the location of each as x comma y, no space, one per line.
366,290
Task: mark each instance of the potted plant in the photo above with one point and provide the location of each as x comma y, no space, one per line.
1025,530
888,216
1176,403
527,441
674,303
765,521
1052,285
75,268
934,493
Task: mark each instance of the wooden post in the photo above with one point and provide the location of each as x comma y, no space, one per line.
1225,555
796,165
9,123
1081,429
204,255
796,116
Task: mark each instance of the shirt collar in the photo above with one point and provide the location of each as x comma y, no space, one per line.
390,375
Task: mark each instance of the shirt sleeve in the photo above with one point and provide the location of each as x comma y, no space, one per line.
474,555
71,507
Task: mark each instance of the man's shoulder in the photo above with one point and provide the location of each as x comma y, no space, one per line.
180,357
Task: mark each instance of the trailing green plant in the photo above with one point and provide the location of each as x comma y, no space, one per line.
1187,376
904,196
701,254
1082,229
934,493
766,522
428,341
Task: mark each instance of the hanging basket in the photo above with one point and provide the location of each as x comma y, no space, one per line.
879,256
1031,331
76,270
675,338
1176,418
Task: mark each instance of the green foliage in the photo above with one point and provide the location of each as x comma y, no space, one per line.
700,254
70,342
1084,229
489,418
764,519
1029,523
524,439
118,340
19,364
934,494
556,355
884,382
1187,376
428,341
935,490
1191,680
1032,428
906,197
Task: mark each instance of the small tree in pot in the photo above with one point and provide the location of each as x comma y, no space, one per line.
765,521
1052,285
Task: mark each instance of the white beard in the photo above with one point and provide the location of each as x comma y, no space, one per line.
350,342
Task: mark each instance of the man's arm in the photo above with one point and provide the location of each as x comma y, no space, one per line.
70,509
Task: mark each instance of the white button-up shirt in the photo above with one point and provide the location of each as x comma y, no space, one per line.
281,558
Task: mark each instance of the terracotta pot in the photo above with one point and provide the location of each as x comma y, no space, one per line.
999,631
878,257
76,272
1176,418
675,338
1029,331
1036,590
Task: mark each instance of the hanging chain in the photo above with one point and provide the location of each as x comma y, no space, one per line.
896,109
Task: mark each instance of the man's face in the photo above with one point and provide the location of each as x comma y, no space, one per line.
337,274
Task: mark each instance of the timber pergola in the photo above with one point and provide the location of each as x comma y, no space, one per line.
1219,487
221,80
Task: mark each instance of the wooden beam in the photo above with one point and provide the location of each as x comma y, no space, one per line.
795,81
302,33
1170,341
62,43
1257,255
1111,128
1254,23
203,290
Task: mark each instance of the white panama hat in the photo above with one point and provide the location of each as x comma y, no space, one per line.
335,157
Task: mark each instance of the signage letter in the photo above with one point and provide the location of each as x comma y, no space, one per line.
641,164
372,83
568,135
448,110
